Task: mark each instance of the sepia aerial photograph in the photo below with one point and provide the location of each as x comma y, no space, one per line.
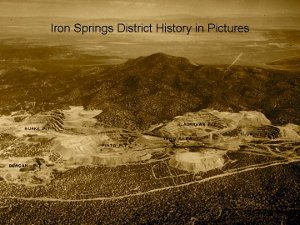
149,112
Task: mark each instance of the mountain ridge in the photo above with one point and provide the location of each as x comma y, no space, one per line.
151,89
159,87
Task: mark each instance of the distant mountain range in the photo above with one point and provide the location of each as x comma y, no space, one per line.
149,90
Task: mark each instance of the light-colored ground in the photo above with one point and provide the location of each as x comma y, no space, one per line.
81,142
196,162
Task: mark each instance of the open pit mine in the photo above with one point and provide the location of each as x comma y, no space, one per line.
194,142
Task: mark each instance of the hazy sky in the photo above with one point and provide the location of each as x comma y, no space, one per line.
139,8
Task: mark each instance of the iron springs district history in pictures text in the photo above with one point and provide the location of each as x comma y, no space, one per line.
149,28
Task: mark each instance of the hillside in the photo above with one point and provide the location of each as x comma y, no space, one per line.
152,89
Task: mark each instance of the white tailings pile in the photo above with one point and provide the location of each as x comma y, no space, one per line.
196,162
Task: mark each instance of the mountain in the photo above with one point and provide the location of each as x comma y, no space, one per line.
152,89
